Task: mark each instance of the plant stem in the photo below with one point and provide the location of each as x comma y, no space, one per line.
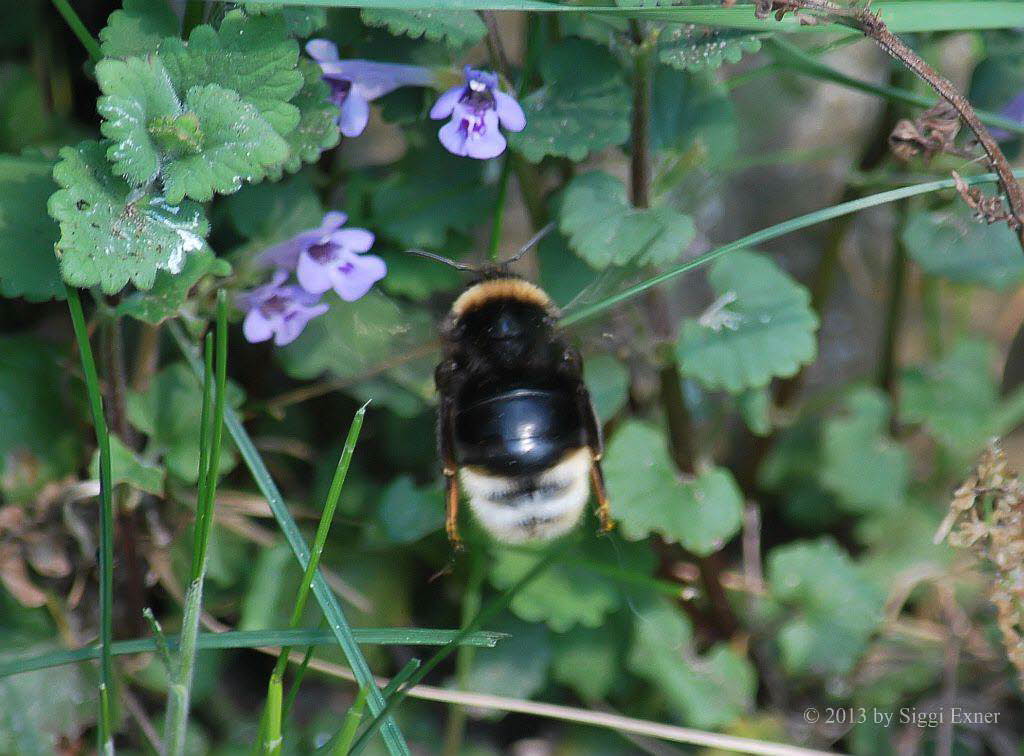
888,364
106,555
78,29
499,209
180,690
353,717
471,599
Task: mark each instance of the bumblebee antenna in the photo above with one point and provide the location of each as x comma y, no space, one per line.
526,247
442,259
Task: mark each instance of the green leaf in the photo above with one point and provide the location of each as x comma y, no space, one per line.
584,104
252,56
38,442
137,96
138,28
693,117
518,666
408,513
755,408
457,28
587,660
866,469
170,290
432,194
270,213
707,691
693,48
563,596
317,129
957,400
837,608
760,327
418,278
168,412
384,349
301,21
605,230
608,381
28,266
128,467
648,495
950,243
236,145
107,238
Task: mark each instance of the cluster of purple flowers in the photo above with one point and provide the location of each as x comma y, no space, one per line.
332,257
328,257
475,108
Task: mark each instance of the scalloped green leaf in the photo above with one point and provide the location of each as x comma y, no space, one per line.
301,21
649,496
587,660
836,608
454,27
138,97
694,48
584,104
604,229
866,469
168,411
951,244
28,266
170,290
760,327
127,467
108,236
234,145
956,399
138,28
608,382
706,691
253,56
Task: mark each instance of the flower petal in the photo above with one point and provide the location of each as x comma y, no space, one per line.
256,327
487,145
510,113
333,220
445,104
322,50
353,239
313,277
293,323
363,271
355,114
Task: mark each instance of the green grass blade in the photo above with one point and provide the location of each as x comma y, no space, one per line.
353,717
407,671
106,555
204,455
272,710
297,678
486,613
790,56
772,232
901,16
328,602
180,689
412,636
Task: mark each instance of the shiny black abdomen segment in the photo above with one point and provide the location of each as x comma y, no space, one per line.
518,431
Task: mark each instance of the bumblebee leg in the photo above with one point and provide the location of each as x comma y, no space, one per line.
451,511
604,514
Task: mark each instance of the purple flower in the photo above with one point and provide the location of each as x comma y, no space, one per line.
354,83
476,108
1015,112
330,257
279,310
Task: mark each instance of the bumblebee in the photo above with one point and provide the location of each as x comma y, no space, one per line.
516,429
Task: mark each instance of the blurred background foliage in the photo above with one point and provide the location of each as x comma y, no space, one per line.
785,426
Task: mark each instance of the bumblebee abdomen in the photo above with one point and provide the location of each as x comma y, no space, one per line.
518,430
